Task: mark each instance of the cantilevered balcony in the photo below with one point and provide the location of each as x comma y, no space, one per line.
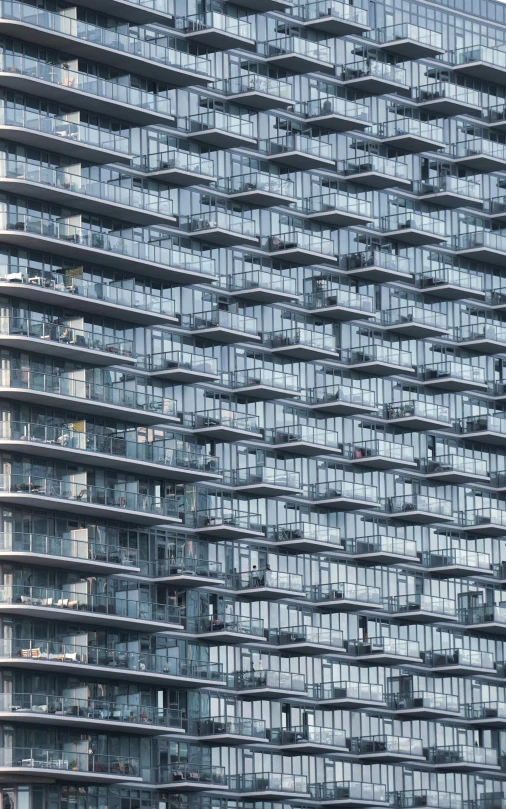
495,208
38,491
221,130
220,228
299,152
182,366
217,31
341,400
414,321
85,90
485,521
375,171
450,191
343,495
453,375
460,662
338,209
387,748
306,537
463,758
177,167
424,705
407,40
223,423
413,228
304,440
262,286
262,383
302,247
495,118
450,282
267,585
90,768
228,730
224,522
257,91
269,684
417,415
227,629
419,509
482,245
457,562
480,62
348,695
349,794
261,189
307,640
334,113
376,265
421,608
487,429
187,571
334,18
455,468
479,154
486,714
385,651
447,98
485,338
379,453
496,299
309,740
411,134
134,11
378,360
265,481
302,343
344,597
269,786
373,77
484,618
222,326
190,778
298,55
382,550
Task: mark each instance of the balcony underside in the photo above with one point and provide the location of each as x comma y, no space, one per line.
37,775
410,48
339,219
344,604
487,628
419,423
189,580
387,659
489,722
227,636
378,180
413,143
457,570
68,351
257,100
454,384
420,517
307,449
262,593
265,5
64,145
262,199
265,392
269,692
130,11
335,122
90,618
488,255
481,70
422,616
388,756
449,106
223,432
487,437
384,558
266,489
380,368
299,63
351,704
179,176
480,162
83,722
183,375
221,139
382,462
485,528
341,408
220,40
68,562
465,766
426,713
220,334
333,26
450,292
222,237
301,161
449,199
308,545
375,85
458,669
413,236
484,345
228,531
300,351
410,328
344,502
456,476
308,748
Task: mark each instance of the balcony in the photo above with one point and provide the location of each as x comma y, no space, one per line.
419,509
176,167
463,758
483,428
37,491
348,696
495,208
136,404
414,321
263,383
90,768
349,794
52,709
269,786
228,523
61,340
407,40
221,228
457,562
188,572
451,283
304,440
334,18
44,603
453,375
446,98
222,326
257,91
302,248
261,286
298,641
134,10
339,210
223,424
486,338
450,192
375,171
267,585
418,415
498,391
374,78
299,152
482,245
334,113
424,705
343,495
342,400
480,62
424,609
454,468
227,629
182,367
485,618
344,597
485,521
382,550
265,481
378,360
387,748
461,662
376,265
425,799
411,134
495,118
221,130
302,343
217,31
385,651
306,537
413,228
261,189
85,90
379,454
269,684
309,740
479,154
191,778
68,553
298,55
486,715
228,730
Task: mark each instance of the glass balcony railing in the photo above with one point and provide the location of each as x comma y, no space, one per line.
117,658
333,105
463,754
300,336
459,557
419,502
220,318
483,614
66,335
377,353
44,759
296,433
226,623
177,160
406,30
450,276
431,798
320,636
330,8
467,658
229,725
432,700
485,710
386,743
351,791
218,219
301,240
272,579
261,181
185,566
206,775
492,800
496,297
382,544
215,119
194,23
313,147
410,126
269,782
481,423
481,146
262,376
265,475
495,114
479,53
447,90
253,279
413,220
361,397
255,83
227,517
376,258
420,602
414,409
85,83
63,127
327,490
480,331
308,734
334,201
453,369
69,548
344,591
182,360
277,680
451,462
281,46
397,647
460,186
369,68
305,530
392,167
363,692
222,417
379,448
